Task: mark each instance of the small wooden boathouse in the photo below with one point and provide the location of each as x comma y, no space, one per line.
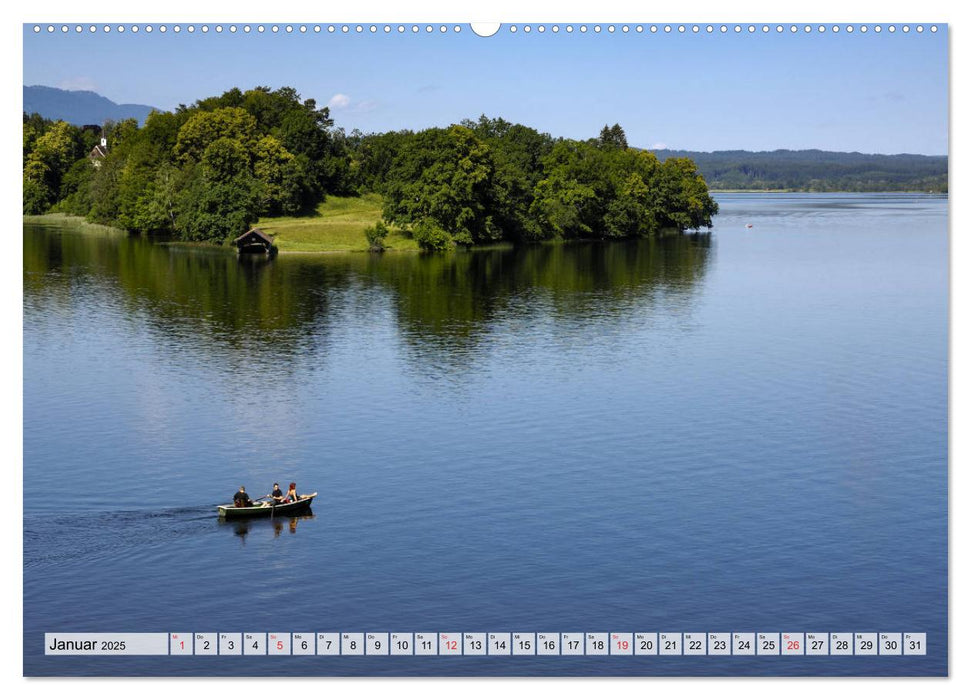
254,241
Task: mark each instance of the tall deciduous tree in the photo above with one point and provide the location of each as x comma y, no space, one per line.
204,128
281,176
444,181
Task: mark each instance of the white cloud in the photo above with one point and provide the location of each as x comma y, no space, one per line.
346,103
339,101
80,82
659,146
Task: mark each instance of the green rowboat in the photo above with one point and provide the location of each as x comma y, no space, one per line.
268,509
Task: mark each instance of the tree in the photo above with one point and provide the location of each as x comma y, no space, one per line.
203,128
51,154
612,137
121,133
281,175
443,181
570,201
209,210
158,206
517,154
430,236
75,194
36,195
105,202
562,206
162,129
34,126
630,213
680,196
225,159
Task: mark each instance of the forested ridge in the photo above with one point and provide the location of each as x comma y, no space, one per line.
818,171
79,107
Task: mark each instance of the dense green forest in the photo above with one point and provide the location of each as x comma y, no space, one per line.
818,171
206,172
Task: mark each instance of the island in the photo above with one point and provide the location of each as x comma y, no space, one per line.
268,159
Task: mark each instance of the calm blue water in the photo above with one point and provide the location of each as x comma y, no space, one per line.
745,431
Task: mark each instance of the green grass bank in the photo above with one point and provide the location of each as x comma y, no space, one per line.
337,225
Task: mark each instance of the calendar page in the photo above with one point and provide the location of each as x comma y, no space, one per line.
425,348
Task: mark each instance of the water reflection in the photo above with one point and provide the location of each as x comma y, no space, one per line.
448,306
251,313
242,528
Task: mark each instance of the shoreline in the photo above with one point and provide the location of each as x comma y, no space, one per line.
72,219
939,194
341,244
81,222
86,226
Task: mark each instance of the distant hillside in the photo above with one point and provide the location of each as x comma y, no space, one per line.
79,107
823,171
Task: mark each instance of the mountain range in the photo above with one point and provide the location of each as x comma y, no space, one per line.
818,170
79,107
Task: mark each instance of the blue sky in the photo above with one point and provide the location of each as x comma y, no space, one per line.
875,93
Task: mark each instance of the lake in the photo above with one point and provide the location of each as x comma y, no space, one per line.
737,431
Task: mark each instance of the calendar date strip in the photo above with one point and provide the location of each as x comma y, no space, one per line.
486,644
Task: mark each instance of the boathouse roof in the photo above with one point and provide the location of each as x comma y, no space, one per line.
254,233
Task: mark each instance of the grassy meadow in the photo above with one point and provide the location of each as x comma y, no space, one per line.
337,225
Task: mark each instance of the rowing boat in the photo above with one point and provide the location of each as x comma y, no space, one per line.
268,509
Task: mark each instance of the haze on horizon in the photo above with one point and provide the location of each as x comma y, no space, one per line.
871,93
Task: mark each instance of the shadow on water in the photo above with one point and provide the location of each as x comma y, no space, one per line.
249,312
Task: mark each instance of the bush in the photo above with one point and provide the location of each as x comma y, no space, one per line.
431,236
375,236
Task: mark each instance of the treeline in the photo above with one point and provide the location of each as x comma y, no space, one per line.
208,171
818,171
491,180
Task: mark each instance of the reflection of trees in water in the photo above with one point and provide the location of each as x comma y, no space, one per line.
250,312
449,305
247,311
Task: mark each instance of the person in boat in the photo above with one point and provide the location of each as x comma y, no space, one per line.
241,499
292,493
276,494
